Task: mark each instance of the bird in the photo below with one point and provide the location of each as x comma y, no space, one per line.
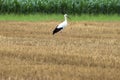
61,25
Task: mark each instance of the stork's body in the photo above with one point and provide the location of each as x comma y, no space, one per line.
61,25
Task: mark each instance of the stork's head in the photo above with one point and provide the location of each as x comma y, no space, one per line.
65,15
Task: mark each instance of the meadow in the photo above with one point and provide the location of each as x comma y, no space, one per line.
59,17
88,49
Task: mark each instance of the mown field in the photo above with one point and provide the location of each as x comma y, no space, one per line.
82,51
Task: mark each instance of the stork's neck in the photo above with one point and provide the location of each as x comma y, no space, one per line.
66,19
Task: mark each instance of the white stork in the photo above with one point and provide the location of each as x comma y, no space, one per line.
61,25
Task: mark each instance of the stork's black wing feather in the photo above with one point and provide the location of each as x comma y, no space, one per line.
56,30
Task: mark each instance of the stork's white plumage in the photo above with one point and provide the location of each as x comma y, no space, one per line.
61,25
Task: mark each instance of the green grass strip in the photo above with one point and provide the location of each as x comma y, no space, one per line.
57,17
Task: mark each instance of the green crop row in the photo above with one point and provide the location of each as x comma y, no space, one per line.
60,6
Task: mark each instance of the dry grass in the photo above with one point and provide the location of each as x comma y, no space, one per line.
83,51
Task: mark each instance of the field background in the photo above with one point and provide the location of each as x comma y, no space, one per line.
60,6
88,49
82,51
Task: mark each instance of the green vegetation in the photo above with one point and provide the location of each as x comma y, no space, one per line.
57,17
60,6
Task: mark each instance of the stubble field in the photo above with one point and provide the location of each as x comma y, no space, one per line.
82,51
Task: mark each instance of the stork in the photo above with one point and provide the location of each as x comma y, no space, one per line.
61,25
